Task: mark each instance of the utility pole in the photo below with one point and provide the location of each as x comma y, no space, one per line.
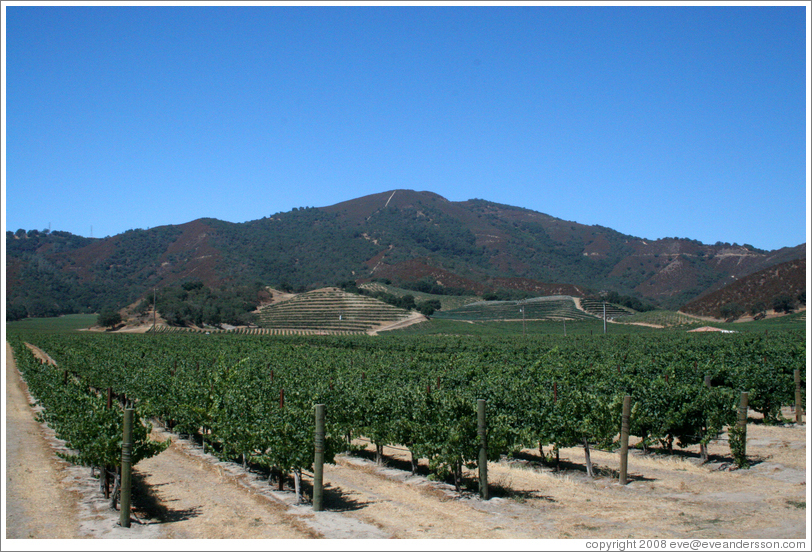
523,331
604,317
154,309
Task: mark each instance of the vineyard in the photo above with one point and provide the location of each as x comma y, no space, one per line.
598,308
250,399
249,331
556,307
661,318
329,310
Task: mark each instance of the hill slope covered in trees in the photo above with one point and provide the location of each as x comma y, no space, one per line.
402,235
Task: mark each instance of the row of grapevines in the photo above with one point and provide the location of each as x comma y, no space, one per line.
79,415
252,396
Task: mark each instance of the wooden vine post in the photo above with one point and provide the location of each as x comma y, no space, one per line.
703,448
588,459
741,421
126,467
799,408
555,400
482,430
107,468
318,461
738,439
624,439
281,485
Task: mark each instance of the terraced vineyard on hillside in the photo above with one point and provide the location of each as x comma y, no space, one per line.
246,331
612,311
660,318
556,307
330,309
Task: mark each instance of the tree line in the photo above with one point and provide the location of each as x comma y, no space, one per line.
407,301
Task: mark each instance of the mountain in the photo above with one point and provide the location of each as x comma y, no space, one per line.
400,235
761,287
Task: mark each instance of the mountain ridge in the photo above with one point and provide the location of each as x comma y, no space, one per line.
401,235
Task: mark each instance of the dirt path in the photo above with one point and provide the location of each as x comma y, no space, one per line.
414,318
672,496
668,497
38,353
38,502
47,497
193,499
408,507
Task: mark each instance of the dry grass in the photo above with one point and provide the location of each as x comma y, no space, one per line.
669,496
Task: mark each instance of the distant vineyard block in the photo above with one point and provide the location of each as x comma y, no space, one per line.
556,307
612,310
332,310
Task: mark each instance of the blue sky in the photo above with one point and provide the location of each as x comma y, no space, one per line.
656,121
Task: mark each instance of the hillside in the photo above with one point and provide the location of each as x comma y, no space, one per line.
399,235
330,310
559,307
787,278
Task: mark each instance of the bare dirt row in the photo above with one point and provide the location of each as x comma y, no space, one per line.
183,493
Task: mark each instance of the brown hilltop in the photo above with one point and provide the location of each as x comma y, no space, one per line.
192,255
787,278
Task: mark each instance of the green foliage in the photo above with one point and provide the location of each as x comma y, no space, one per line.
784,303
120,271
625,300
78,414
556,307
421,392
67,322
427,285
737,437
766,383
109,318
731,310
194,303
350,286
194,285
759,307
15,312
406,301
428,307
295,251
504,294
